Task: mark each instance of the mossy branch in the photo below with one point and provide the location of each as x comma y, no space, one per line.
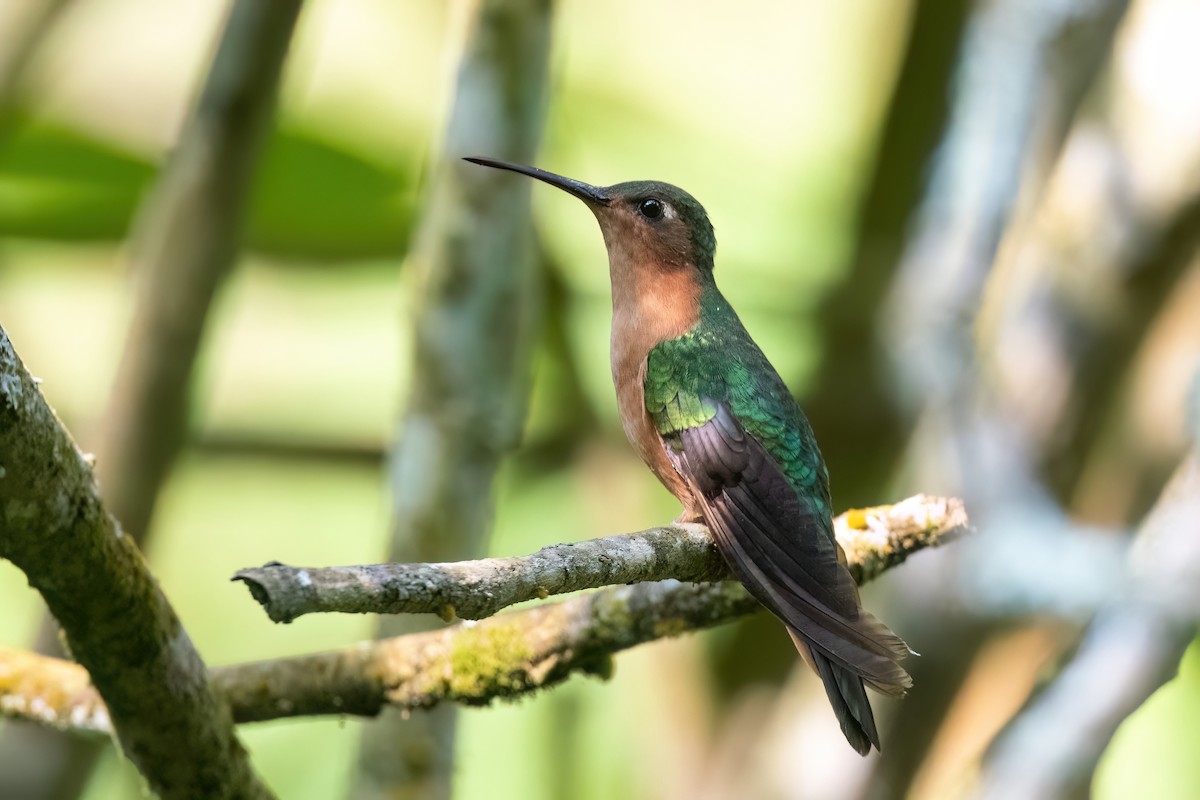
874,540
472,663
506,656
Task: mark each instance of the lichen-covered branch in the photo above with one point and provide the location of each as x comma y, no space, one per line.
116,621
507,655
874,540
475,662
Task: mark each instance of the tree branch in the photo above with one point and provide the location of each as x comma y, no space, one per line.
874,539
185,240
115,618
39,22
506,656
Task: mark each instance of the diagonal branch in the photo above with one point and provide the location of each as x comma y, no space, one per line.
506,656
116,620
472,663
185,242
874,539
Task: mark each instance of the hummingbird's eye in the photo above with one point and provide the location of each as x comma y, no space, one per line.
650,208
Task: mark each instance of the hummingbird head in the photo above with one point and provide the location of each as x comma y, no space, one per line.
649,227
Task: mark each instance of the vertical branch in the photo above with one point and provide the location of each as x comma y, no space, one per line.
185,241
116,621
475,307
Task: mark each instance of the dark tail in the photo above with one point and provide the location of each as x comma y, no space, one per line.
847,695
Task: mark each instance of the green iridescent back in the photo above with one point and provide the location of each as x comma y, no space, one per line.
718,362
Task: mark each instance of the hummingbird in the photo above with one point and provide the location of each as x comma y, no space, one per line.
713,420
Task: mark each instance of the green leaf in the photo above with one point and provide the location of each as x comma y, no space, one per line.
314,199
56,183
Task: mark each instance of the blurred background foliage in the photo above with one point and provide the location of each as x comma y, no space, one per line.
769,111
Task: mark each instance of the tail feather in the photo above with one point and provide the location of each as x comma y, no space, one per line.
847,696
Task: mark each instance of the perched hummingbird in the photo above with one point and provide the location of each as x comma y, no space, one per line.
713,420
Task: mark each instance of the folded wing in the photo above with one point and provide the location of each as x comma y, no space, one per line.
781,547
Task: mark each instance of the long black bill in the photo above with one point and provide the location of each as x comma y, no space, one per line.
584,191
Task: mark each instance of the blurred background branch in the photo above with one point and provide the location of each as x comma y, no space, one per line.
115,620
1164,244
476,310
1022,74
185,242
865,415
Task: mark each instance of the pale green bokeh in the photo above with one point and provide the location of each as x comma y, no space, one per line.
1154,751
